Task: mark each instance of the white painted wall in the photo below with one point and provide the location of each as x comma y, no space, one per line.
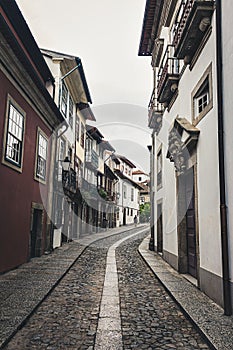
207,163
127,202
140,177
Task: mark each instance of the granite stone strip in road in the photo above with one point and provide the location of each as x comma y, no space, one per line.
109,334
23,289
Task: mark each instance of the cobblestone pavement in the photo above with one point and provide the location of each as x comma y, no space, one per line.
68,318
150,318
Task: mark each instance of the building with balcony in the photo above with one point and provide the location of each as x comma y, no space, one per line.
182,37
73,98
28,119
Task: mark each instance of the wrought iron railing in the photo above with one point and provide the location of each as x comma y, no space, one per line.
170,65
181,19
69,181
154,106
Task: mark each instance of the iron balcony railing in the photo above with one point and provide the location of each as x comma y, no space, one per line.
181,18
69,181
155,112
170,67
205,7
154,106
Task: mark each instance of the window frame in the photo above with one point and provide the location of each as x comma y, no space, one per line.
77,129
41,133
159,161
132,194
64,99
7,161
70,112
198,92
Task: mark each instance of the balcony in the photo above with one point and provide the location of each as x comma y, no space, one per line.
192,23
89,190
155,114
111,196
69,180
92,159
168,76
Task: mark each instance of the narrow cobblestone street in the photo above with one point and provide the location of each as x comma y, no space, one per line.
68,317
150,318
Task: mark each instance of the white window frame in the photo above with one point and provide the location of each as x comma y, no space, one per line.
64,99
14,130
41,156
203,88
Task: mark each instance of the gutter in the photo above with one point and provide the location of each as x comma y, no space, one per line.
222,184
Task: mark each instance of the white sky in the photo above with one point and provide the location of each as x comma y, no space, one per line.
105,34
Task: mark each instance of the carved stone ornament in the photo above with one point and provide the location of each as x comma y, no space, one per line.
176,151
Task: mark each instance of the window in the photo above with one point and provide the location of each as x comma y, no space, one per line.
139,179
82,138
132,194
201,99
77,128
202,96
62,149
71,112
70,154
159,169
131,212
61,157
14,136
67,105
124,191
64,99
42,150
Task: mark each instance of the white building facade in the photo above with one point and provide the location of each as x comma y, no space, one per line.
183,116
127,191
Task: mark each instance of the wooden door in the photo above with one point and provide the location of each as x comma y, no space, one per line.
36,233
190,225
159,229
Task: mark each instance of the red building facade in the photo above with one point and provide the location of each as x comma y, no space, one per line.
28,118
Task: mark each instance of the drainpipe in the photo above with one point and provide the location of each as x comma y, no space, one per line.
152,196
223,207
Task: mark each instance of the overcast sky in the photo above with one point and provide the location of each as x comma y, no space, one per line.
105,34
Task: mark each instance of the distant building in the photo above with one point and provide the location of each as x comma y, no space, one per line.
143,180
127,191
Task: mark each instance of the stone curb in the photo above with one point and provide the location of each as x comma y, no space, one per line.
204,313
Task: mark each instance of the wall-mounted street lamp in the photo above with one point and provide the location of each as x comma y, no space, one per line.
65,164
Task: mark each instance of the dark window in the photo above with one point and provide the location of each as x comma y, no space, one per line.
159,168
77,128
71,112
82,139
